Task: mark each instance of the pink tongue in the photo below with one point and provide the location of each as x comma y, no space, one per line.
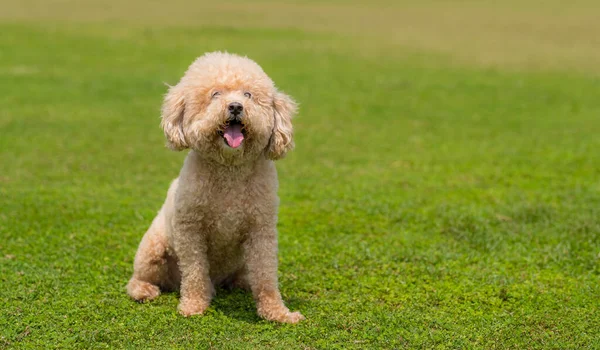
233,135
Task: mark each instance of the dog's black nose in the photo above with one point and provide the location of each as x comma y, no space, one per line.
235,108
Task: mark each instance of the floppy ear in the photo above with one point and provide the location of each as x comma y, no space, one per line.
173,109
282,139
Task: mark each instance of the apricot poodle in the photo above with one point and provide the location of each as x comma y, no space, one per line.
218,223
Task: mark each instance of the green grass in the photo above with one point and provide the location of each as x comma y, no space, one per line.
428,204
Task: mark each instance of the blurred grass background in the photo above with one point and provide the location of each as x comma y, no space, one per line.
531,34
444,192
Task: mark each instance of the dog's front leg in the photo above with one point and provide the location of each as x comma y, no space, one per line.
260,252
196,287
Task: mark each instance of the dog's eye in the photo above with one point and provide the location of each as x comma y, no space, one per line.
247,94
215,94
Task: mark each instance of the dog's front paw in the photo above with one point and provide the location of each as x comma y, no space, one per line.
189,307
292,317
142,291
281,314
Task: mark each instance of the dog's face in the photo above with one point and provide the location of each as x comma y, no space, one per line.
227,109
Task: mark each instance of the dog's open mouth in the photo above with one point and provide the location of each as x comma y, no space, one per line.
233,133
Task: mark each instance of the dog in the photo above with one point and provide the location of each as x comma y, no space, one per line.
217,226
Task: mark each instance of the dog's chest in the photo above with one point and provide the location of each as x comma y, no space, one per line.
229,215
229,223
233,207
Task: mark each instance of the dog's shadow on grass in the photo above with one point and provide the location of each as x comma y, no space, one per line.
235,303
239,304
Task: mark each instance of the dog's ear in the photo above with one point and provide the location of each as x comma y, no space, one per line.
173,109
282,139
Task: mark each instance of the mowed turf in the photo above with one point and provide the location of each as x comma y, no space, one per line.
431,202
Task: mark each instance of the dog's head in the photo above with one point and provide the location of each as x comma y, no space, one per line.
226,108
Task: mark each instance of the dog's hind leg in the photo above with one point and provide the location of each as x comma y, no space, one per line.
151,264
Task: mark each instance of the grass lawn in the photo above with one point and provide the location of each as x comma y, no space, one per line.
444,191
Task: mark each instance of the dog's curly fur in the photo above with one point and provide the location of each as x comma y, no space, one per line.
218,223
